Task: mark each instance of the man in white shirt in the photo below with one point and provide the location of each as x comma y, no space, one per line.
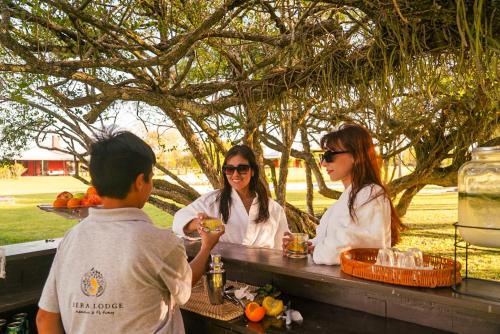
115,272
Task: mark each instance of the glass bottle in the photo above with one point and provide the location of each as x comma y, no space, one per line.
479,198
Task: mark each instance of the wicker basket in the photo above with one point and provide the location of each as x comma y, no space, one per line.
360,262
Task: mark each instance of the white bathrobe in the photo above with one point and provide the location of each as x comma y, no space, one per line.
241,227
338,232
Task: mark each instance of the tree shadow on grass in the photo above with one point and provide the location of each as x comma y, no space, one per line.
432,207
432,235
430,226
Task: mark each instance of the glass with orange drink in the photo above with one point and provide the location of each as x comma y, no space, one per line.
297,247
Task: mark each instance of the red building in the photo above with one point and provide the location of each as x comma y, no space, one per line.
39,161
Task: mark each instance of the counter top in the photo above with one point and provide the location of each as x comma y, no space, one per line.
31,249
439,308
269,260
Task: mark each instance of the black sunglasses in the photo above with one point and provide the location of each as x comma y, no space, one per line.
329,156
241,169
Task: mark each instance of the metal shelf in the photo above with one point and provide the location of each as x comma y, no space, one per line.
473,286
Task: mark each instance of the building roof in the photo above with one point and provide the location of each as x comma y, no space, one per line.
38,153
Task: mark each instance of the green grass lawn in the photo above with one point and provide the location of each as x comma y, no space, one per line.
429,219
23,221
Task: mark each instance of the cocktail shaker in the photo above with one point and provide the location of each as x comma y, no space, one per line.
215,280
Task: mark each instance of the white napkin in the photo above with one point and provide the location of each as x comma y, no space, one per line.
2,262
291,315
244,293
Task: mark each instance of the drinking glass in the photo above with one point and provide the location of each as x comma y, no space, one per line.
297,247
385,257
211,224
418,256
398,259
408,260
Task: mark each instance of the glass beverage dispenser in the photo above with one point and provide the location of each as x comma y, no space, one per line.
479,198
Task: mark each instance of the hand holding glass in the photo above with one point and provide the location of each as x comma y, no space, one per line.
297,246
211,224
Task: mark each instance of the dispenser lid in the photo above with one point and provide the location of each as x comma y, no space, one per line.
485,149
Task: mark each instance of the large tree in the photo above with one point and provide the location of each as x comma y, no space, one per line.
422,76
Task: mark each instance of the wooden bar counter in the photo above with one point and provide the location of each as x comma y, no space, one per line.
329,300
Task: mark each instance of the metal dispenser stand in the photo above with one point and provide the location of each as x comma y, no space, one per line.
476,287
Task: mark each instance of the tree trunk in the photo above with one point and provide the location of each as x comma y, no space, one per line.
274,180
405,200
309,183
195,146
299,221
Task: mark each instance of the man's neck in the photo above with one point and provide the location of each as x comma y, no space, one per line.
115,203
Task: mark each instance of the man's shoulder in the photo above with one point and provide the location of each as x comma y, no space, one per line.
155,232
134,223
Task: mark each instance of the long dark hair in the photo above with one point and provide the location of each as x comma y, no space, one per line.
255,185
365,171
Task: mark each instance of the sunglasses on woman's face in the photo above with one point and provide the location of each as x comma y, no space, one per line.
241,169
329,156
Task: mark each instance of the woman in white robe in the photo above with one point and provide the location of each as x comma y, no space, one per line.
363,216
250,216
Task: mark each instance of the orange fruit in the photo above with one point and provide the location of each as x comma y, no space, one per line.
60,203
91,191
254,312
66,195
74,203
94,200
85,202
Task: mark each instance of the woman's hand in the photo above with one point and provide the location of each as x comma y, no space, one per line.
288,237
193,225
310,247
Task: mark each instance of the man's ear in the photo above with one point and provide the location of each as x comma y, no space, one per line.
139,181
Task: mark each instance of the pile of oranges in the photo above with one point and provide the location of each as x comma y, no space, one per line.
69,200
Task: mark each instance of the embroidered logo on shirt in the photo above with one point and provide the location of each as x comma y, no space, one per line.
93,283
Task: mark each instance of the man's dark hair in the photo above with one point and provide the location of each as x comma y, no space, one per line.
115,161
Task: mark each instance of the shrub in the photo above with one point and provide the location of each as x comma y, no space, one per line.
12,171
5,172
17,170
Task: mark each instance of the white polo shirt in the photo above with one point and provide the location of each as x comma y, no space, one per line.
115,272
